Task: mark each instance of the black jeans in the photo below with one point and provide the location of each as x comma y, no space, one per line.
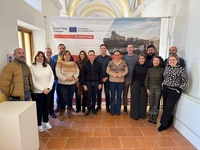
42,105
91,95
51,100
170,97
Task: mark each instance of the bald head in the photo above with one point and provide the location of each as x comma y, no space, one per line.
48,52
173,50
19,54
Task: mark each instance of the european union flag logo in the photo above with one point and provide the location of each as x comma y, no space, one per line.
72,29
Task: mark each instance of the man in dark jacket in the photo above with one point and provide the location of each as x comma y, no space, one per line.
103,59
173,50
92,81
48,53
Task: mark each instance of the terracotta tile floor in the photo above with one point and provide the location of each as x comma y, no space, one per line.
105,131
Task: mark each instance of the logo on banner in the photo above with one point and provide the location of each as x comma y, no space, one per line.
59,29
72,29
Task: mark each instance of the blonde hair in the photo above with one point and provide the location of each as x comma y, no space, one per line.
175,56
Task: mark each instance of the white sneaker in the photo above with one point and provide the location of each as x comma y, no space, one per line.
40,129
47,125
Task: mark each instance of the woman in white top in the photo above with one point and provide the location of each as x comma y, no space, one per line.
43,80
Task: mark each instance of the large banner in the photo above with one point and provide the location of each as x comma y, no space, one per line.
88,33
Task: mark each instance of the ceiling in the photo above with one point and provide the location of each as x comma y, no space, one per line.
99,8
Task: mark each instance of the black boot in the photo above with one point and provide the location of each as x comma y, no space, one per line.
83,109
125,110
161,128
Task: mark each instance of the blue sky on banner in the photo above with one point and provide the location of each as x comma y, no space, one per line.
143,28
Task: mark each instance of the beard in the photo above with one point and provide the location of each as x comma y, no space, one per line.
21,58
61,53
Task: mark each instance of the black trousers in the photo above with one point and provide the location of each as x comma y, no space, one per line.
42,105
91,95
170,97
138,101
51,100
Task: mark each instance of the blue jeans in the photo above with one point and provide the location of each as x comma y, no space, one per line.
65,93
91,95
116,104
107,95
27,96
56,88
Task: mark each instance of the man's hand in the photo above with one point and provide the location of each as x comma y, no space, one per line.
85,87
99,87
104,79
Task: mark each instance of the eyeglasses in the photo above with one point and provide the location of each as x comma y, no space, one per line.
116,54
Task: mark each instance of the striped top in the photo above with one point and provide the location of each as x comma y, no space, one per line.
66,70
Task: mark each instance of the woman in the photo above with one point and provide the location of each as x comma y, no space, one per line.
67,72
43,80
175,80
153,84
139,94
116,69
80,62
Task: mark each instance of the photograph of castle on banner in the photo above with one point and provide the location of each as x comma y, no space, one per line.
139,31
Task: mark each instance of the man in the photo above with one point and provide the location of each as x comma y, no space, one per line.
58,58
92,81
150,53
103,59
173,50
48,53
131,59
16,80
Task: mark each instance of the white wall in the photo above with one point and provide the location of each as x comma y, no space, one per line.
14,10
192,47
184,33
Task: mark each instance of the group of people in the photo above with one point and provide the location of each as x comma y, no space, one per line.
146,75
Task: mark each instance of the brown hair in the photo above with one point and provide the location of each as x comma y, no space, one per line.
64,53
103,45
85,59
142,55
44,64
175,56
61,45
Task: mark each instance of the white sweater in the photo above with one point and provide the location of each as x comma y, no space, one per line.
43,77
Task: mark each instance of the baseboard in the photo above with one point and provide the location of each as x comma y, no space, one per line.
186,119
